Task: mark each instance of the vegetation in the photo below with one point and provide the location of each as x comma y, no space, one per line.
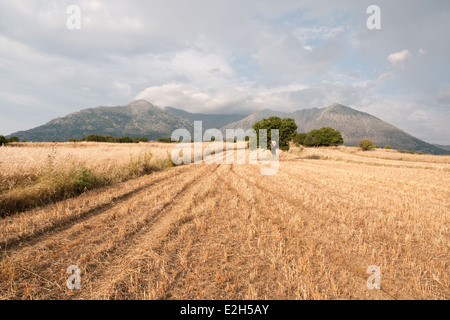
5,141
286,127
366,144
299,138
111,139
324,136
41,173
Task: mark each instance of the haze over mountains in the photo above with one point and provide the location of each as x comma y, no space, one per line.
143,119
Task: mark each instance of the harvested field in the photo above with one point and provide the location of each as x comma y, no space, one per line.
224,231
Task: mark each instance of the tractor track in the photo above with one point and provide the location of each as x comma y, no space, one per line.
15,243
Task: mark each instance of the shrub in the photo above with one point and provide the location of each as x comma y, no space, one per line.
165,140
325,136
387,147
299,138
82,178
314,157
366,144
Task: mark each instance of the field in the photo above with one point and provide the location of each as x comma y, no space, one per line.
224,231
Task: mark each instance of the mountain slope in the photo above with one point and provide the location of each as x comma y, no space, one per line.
209,121
137,119
446,148
354,125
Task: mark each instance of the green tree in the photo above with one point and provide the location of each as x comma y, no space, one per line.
13,139
299,138
325,136
125,139
3,140
165,140
286,127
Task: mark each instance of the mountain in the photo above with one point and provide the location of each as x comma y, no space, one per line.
143,119
354,125
209,121
137,119
446,148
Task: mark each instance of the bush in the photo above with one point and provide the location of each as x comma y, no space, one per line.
165,140
387,147
82,178
111,139
299,138
5,141
366,144
325,136
314,157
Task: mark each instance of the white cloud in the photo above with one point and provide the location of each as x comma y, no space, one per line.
194,99
222,56
398,58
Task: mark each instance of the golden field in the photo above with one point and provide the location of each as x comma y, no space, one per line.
224,231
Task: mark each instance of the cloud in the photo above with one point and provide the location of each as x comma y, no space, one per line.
444,95
194,99
398,58
224,56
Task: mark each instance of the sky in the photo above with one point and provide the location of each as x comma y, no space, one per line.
227,57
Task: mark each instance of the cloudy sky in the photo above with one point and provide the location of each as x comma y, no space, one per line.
229,57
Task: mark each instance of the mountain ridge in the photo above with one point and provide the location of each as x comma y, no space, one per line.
354,126
140,118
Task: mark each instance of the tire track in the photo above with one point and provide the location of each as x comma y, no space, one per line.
153,232
106,246
335,256
65,223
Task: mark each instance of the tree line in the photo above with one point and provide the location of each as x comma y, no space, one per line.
5,141
111,139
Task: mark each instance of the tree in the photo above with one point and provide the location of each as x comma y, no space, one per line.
125,139
325,136
366,144
286,127
299,138
165,140
3,140
13,139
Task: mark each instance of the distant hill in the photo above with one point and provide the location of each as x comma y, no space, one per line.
209,120
354,125
447,148
137,119
142,119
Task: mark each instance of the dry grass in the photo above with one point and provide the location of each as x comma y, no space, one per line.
33,174
227,232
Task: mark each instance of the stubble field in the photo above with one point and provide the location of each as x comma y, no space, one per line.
224,231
